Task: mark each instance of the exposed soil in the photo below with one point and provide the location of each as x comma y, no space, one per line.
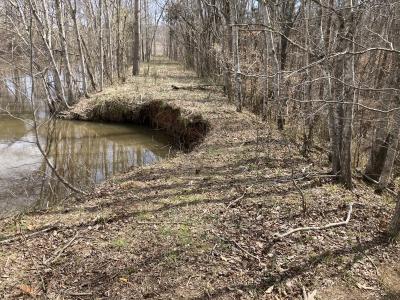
184,127
203,224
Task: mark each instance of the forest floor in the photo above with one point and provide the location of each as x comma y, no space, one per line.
203,225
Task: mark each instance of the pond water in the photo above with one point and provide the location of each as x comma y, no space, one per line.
84,153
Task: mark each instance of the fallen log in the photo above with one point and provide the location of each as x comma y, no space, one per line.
330,225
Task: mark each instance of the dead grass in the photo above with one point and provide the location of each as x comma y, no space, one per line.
176,230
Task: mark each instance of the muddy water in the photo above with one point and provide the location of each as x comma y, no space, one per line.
84,153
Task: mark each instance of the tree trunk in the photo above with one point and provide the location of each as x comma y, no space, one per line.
394,229
110,63
391,153
43,31
79,44
395,82
381,140
379,149
265,41
136,39
64,50
101,54
237,79
118,37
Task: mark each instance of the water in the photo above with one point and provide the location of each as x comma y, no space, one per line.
84,153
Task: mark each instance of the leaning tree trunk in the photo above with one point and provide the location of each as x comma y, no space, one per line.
44,34
64,50
79,44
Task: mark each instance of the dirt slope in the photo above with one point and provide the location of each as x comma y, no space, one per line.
202,225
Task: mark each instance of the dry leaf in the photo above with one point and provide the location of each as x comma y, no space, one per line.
269,290
122,279
27,290
224,258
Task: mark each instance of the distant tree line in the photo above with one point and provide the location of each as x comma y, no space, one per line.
79,45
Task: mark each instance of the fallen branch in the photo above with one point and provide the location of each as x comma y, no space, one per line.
196,87
330,225
30,235
236,200
77,294
239,198
58,253
393,193
161,223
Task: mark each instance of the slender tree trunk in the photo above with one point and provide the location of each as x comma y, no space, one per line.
265,41
80,50
109,42
391,152
394,229
227,51
47,43
333,123
101,54
89,66
64,50
119,60
349,96
236,57
381,140
136,39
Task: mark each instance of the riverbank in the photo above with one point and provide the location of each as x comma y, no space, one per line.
203,224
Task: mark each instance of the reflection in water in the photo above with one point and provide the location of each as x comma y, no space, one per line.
84,153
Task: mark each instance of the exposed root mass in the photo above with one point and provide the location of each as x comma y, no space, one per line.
185,128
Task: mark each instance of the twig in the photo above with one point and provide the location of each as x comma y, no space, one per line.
303,198
79,294
19,236
374,265
236,200
240,198
246,252
58,253
235,244
330,225
160,223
